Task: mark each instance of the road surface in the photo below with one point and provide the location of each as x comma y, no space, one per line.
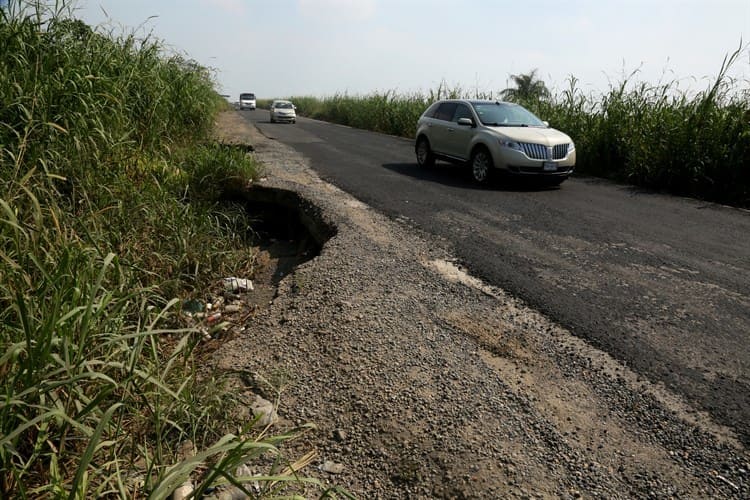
661,283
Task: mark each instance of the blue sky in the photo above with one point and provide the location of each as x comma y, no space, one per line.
279,48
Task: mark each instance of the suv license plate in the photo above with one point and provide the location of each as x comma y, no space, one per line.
548,166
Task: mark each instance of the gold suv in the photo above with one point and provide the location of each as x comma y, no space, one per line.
492,136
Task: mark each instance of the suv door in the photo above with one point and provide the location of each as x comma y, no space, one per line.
439,126
458,137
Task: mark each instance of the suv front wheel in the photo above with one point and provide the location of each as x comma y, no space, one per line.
425,158
481,165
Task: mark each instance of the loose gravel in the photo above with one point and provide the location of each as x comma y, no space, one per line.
424,382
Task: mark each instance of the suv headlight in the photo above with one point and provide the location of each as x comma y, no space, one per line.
571,147
510,145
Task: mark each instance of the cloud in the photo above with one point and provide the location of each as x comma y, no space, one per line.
337,10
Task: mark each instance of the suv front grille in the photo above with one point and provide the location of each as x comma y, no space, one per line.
539,151
560,151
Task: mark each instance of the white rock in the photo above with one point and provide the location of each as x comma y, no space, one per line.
243,470
183,491
265,409
332,467
232,493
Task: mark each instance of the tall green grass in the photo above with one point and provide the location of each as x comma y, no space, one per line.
388,112
660,137
111,216
385,112
656,136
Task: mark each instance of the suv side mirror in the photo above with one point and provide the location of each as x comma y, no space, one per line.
466,121
546,123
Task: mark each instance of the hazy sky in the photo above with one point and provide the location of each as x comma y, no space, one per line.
278,48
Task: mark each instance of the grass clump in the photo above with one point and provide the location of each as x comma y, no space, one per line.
111,215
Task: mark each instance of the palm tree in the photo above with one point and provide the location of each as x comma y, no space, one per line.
528,88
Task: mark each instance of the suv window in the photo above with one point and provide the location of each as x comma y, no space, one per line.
508,114
462,111
446,111
430,113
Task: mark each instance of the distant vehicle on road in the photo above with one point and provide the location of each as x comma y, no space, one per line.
493,136
247,101
283,111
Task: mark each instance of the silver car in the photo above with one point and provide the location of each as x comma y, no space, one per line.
283,111
492,136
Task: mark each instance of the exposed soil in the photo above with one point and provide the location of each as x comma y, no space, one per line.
426,383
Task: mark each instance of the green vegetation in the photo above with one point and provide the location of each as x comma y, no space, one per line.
655,136
659,137
110,195
388,112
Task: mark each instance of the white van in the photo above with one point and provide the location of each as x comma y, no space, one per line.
247,101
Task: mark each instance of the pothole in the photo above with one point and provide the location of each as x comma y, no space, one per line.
289,231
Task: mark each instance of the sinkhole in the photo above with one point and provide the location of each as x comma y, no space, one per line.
289,230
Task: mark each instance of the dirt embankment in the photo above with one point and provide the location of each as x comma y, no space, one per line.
426,383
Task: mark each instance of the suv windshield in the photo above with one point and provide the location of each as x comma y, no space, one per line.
505,114
247,96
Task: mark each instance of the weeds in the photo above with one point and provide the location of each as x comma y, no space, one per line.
385,112
111,215
659,137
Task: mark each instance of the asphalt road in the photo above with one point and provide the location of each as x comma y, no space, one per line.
661,283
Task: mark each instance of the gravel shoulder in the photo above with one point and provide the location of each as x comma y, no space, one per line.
424,382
